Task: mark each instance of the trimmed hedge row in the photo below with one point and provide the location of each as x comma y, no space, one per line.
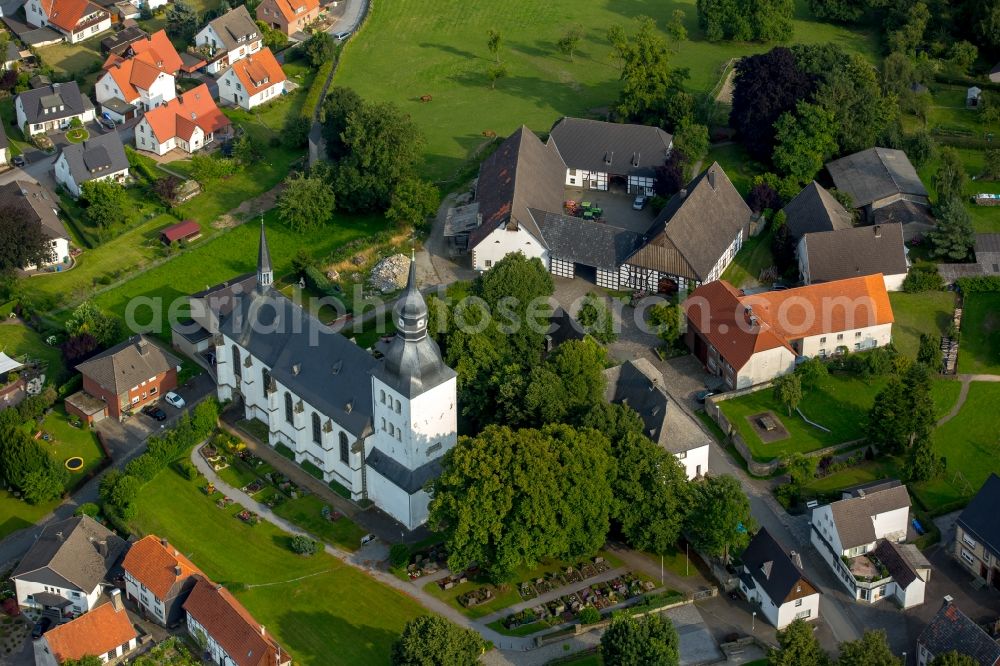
978,283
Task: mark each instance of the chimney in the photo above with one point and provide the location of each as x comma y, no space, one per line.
143,346
349,406
263,632
116,599
948,600
796,559
711,178
683,193
296,368
59,537
163,542
102,548
177,570
878,231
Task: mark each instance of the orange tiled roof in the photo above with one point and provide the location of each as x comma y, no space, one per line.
154,564
258,71
66,14
179,116
148,58
288,8
232,626
157,51
94,633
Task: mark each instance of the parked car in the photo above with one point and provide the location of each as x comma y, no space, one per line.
43,625
174,400
18,161
702,396
154,412
367,539
640,202
342,35
107,123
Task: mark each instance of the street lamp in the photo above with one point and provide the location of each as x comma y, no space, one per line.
753,621
904,659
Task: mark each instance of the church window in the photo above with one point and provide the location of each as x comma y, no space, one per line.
265,377
237,370
344,450
317,431
398,406
288,407
381,396
383,423
399,435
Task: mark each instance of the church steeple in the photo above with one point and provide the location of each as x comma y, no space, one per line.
412,319
265,274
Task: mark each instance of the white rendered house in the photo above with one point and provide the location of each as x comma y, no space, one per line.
77,20
101,157
106,633
51,108
229,38
252,81
773,579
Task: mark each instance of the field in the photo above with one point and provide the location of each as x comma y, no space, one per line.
927,312
17,340
444,46
840,403
309,604
979,349
985,219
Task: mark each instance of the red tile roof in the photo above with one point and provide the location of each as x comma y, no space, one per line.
288,8
179,116
232,626
258,71
154,564
149,58
181,230
66,14
95,633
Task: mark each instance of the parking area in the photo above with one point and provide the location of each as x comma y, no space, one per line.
616,206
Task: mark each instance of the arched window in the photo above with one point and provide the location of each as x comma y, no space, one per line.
317,429
265,377
398,406
344,449
288,407
399,434
237,367
381,396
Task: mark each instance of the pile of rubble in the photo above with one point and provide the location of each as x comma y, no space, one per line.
390,274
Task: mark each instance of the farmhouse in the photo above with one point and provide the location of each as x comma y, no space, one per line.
188,122
866,528
105,632
749,340
66,568
101,157
639,385
288,16
232,637
39,205
51,108
158,578
142,76
814,209
252,81
376,427
228,38
977,534
951,630
76,20
825,256
773,578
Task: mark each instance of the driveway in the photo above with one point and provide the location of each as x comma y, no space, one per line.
38,169
348,16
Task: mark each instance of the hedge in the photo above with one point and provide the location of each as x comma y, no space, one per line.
316,280
978,283
316,89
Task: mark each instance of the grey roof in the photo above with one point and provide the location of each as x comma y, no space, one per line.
814,209
987,260
79,550
118,105
853,517
863,489
585,241
40,205
96,157
951,629
233,25
52,97
837,255
901,571
696,227
981,518
916,218
523,173
29,34
615,148
128,364
118,42
562,327
13,54
410,480
263,253
874,174
771,567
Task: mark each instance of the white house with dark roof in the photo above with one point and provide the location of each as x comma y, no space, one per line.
773,579
228,38
101,157
51,108
977,534
825,256
66,567
41,206
376,427
951,630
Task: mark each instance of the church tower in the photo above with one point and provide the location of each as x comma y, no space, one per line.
265,274
414,412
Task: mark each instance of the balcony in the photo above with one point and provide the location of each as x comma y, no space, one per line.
867,571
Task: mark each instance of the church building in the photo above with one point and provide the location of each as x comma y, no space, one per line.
378,427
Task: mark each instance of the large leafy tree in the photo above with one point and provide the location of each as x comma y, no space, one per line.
22,241
797,646
953,237
25,465
509,498
569,384
107,203
597,319
338,106
788,391
430,640
514,288
954,658
861,112
629,641
182,21
847,11
950,179
652,92
765,87
87,318
319,47
872,649
805,141
746,20
903,412
306,203
723,522
413,201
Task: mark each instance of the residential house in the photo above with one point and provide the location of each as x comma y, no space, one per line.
951,630
117,43
128,376
106,632
252,81
288,16
76,20
885,187
231,635
101,157
825,256
861,538
815,209
228,38
188,122
51,108
142,76
773,579
67,566
39,205
379,427
158,578
639,385
977,534
749,340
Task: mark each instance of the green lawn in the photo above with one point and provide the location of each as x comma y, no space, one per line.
16,514
840,403
443,46
588,659
306,512
68,441
979,348
80,61
740,168
985,219
753,257
944,393
927,312
19,341
853,476
309,604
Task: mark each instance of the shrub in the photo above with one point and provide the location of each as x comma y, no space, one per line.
923,276
187,470
315,279
979,283
589,615
303,545
87,509
399,555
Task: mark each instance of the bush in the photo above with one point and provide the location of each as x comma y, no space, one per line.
399,555
312,99
87,509
589,615
187,470
923,276
303,545
74,384
979,283
315,279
